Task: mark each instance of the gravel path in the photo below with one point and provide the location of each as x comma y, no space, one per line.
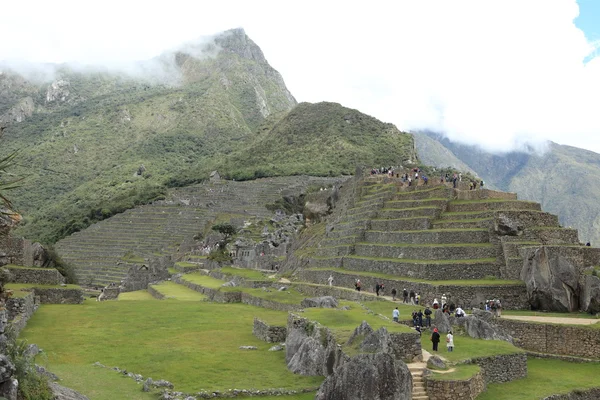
552,320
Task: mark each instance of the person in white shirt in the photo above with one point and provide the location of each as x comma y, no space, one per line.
450,341
395,314
459,312
330,280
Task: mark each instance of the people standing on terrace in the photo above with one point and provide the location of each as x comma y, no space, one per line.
394,292
412,297
436,304
435,339
427,317
395,314
405,296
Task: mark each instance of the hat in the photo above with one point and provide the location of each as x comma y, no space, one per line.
435,329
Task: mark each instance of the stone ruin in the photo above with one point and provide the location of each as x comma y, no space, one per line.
154,269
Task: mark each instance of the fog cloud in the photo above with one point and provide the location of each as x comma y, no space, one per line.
499,73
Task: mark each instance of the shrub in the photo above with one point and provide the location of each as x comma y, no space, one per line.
65,269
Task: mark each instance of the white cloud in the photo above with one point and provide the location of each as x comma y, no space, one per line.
483,71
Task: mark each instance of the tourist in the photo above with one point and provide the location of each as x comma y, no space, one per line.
459,313
418,329
405,296
357,285
394,294
377,287
498,308
414,317
450,341
481,184
427,317
412,297
330,280
395,314
436,304
425,180
444,300
420,317
435,338
417,298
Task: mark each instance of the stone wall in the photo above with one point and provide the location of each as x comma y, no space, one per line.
579,394
502,368
513,297
155,293
215,295
268,333
451,390
111,293
20,309
570,340
59,296
483,194
42,276
264,303
338,293
11,250
154,269
406,345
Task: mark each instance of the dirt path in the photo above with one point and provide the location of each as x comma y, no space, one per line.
552,320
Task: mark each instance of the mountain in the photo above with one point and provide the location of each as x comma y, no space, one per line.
562,179
93,142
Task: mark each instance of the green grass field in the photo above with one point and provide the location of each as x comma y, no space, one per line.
545,377
195,345
172,290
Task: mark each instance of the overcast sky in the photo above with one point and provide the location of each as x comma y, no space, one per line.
493,72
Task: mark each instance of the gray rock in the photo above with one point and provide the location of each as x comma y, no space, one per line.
277,347
362,330
229,284
551,280
483,314
282,289
505,226
148,385
43,371
309,359
7,368
436,362
378,341
163,383
440,321
368,376
248,348
9,390
63,393
590,294
321,302
31,351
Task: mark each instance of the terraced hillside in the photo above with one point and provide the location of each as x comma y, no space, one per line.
103,253
435,240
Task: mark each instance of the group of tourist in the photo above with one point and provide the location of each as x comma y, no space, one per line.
495,306
409,297
417,319
435,339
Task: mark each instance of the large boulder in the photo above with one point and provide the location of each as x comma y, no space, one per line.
552,280
480,328
361,331
506,226
7,368
63,393
368,376
590,294
441,321
320,302
378,341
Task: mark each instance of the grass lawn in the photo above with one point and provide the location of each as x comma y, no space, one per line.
12,266
545,377
466,347
137,295
461,372
195,345
386,307
19,286
172,290
250,274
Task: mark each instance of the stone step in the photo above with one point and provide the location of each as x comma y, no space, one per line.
445,251
429,236
492,205
404,224
425,269
432,212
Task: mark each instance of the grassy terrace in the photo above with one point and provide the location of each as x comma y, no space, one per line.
172,290
466,348
470,282
544,378
27,286
12,266
438,230
250,274
195,345
385,308
428,244
461,372
137,295
490,201
449,221
420,261
286,297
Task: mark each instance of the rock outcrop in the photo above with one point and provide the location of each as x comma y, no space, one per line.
480,325
63,393
320,302
368,376
590,294
441,321
552,280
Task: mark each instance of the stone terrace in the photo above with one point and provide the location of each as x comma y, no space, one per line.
412,236
99,252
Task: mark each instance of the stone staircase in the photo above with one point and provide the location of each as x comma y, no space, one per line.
103,253
414,235
419,391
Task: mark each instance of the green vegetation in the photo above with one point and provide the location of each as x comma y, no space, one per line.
173,290
385,308
32,386
460,373
195,345
29,286
466,348
545,377
137,295
250,274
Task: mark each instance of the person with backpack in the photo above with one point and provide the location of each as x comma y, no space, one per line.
450,341
377,288
427,317
394,294
420,317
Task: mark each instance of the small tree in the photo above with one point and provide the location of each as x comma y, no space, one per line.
220,253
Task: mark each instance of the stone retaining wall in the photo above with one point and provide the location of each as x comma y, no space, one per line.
502,368
59,296
264,303
338,293
268,333
20,309
155,293
590,394
567,340
111,293
451,390
40,276
481,194
215,295
406,345
514,297
426,252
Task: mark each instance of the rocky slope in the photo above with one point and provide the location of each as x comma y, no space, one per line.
562,179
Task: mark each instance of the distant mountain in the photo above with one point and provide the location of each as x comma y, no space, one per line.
95,142
563,179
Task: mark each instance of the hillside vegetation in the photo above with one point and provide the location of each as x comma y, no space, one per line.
562,179
92,144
